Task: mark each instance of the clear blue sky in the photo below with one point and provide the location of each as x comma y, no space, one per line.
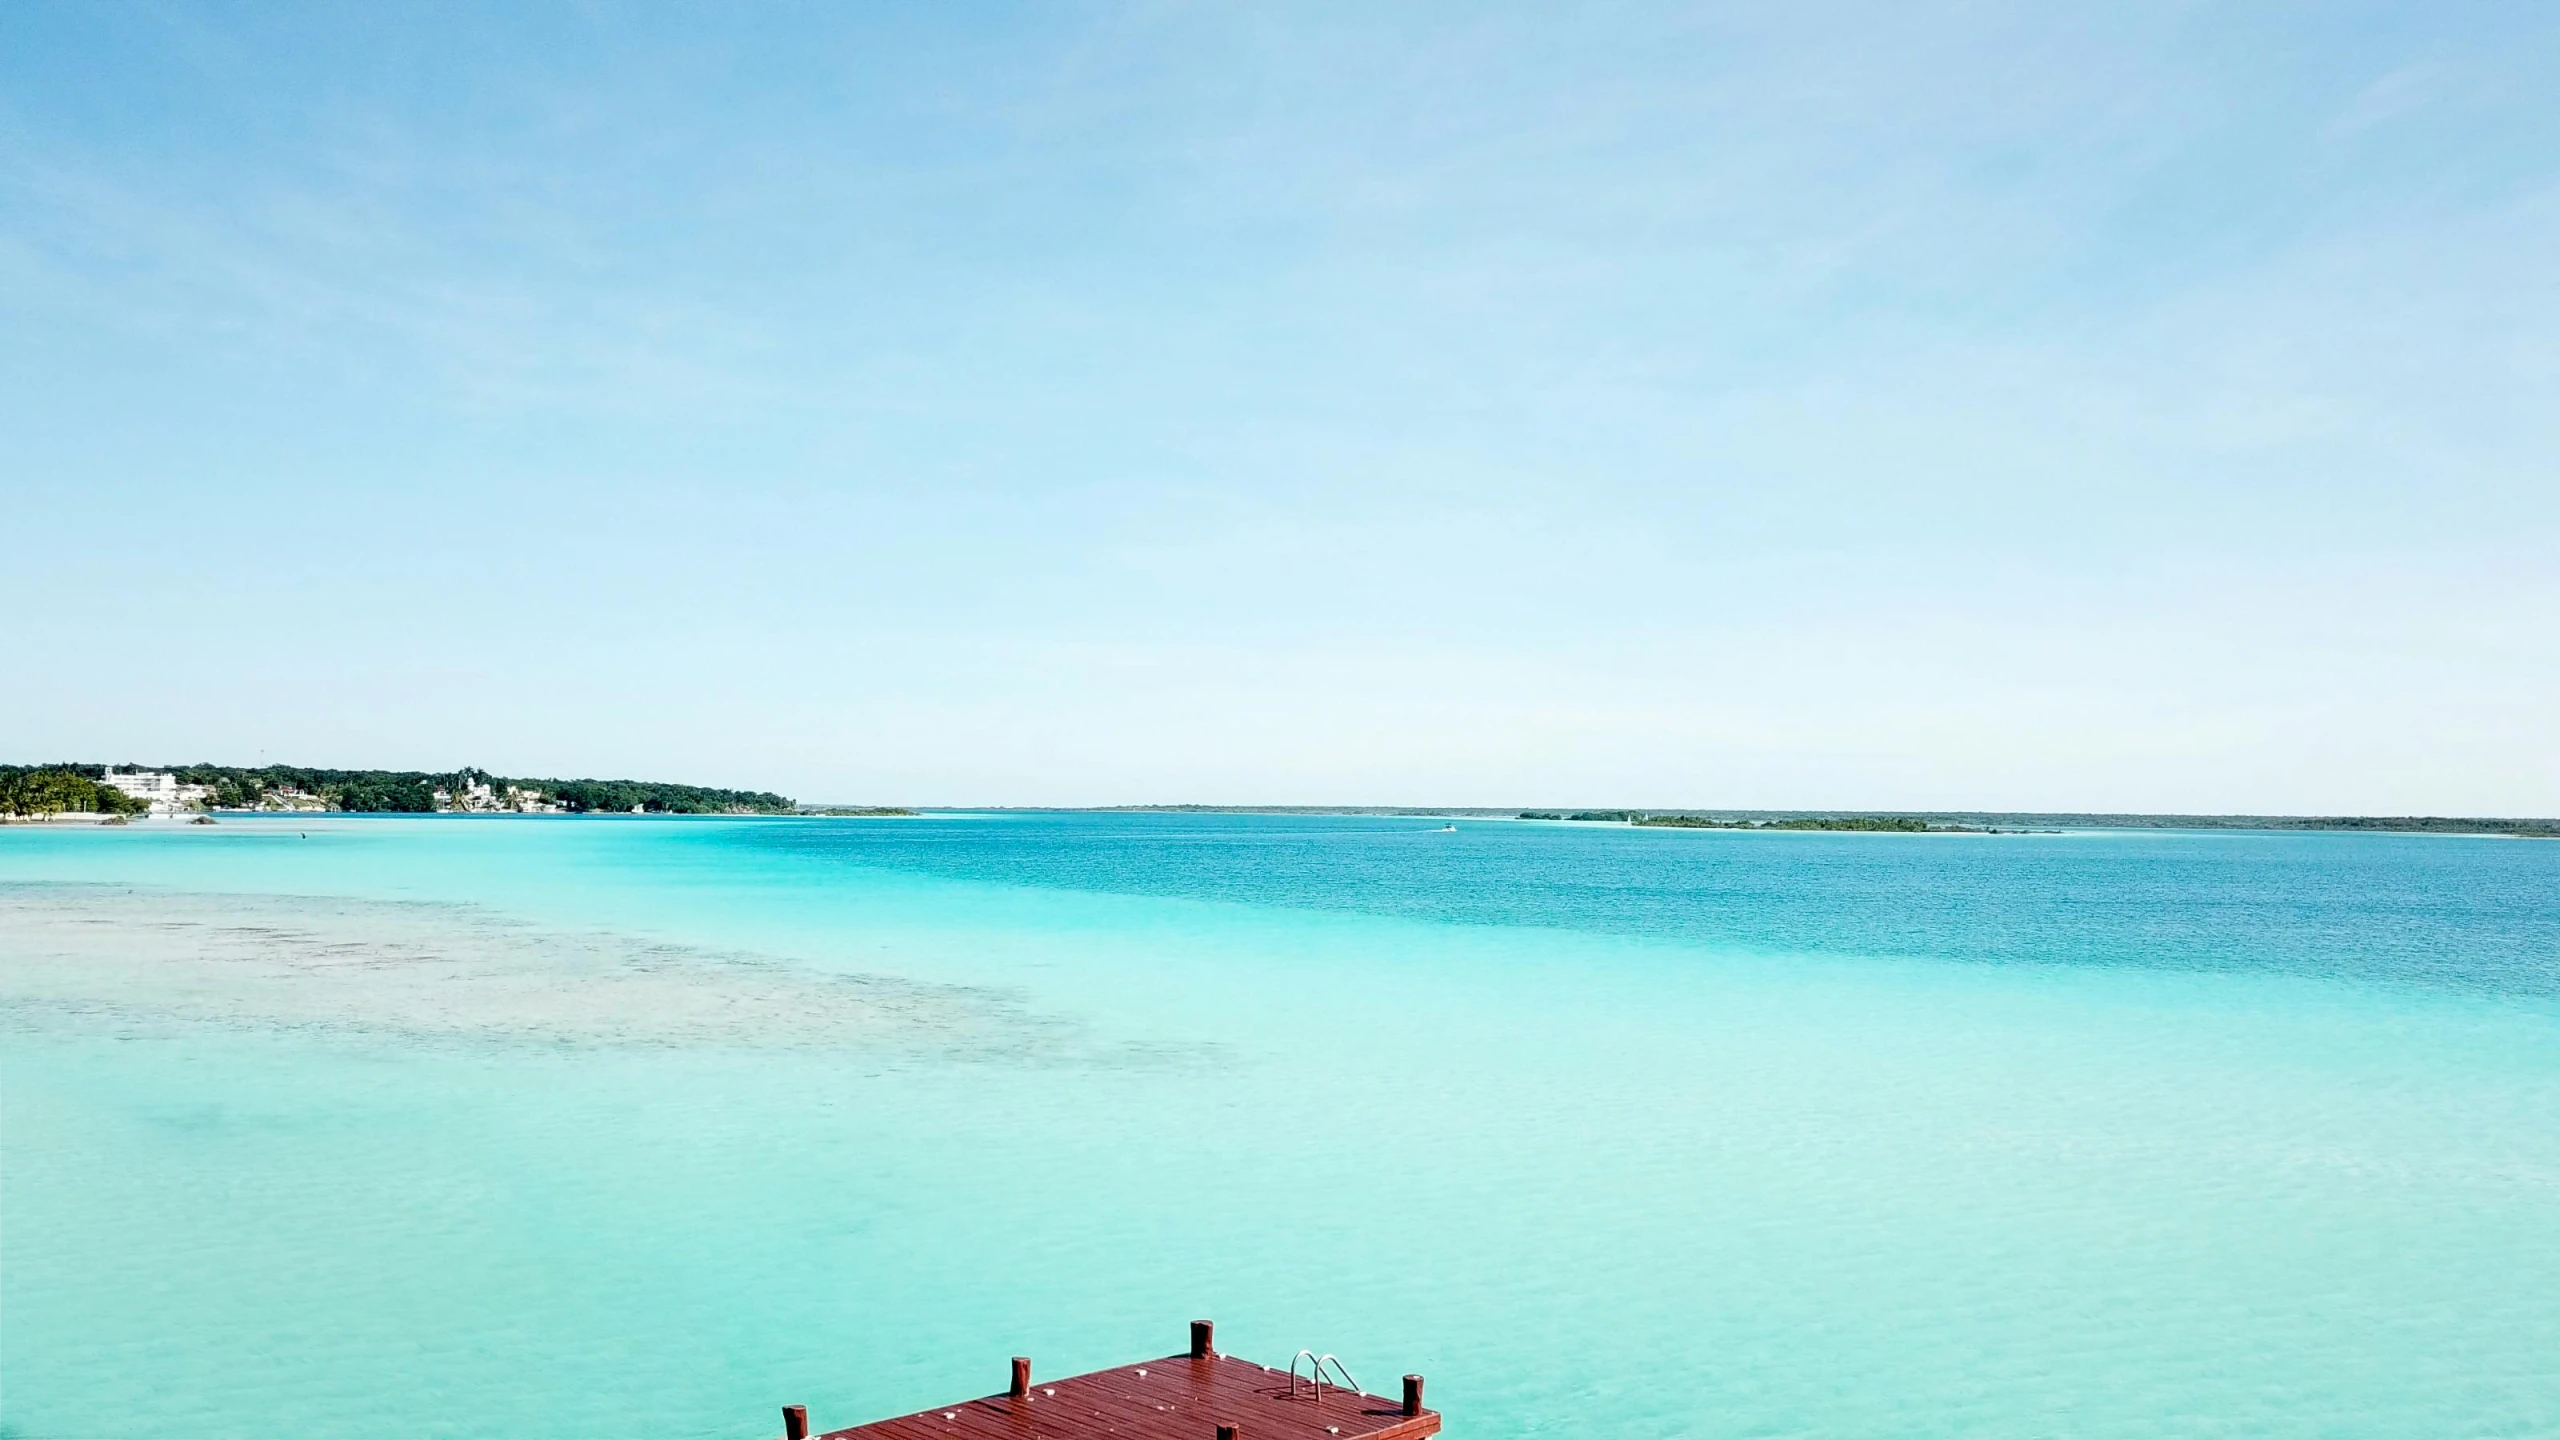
1875,405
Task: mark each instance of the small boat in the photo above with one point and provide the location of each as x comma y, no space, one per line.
1446,828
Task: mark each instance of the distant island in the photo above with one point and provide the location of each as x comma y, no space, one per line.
1908,822
44,790
1993,823
856,812
1904,824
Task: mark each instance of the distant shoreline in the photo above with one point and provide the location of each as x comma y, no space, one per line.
662,799
1939,821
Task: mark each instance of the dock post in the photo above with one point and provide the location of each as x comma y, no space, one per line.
1021,1378
795,1422
1413,1394
1226,1432
1201,1330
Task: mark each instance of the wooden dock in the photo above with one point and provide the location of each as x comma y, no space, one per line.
1198,1395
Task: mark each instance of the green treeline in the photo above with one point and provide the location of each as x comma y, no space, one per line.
1895,824
381,791
659,798
2429,824
59,789
50,789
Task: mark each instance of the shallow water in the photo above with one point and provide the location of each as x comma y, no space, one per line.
361,1127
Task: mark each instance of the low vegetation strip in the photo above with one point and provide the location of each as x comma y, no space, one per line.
1987,822
1911,824
61,788
1890,823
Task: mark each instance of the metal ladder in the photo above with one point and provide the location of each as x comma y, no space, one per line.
1315,1373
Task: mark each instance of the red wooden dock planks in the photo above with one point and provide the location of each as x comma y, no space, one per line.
1177,1398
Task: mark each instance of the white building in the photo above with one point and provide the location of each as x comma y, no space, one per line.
159,789
481,797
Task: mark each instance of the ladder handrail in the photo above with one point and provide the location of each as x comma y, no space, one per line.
1293,1374
1315,1372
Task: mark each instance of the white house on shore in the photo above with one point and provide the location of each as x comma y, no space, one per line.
159,789
478,796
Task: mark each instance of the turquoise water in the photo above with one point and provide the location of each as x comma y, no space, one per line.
375,1127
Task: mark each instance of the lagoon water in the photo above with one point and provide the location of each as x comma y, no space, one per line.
357,1127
